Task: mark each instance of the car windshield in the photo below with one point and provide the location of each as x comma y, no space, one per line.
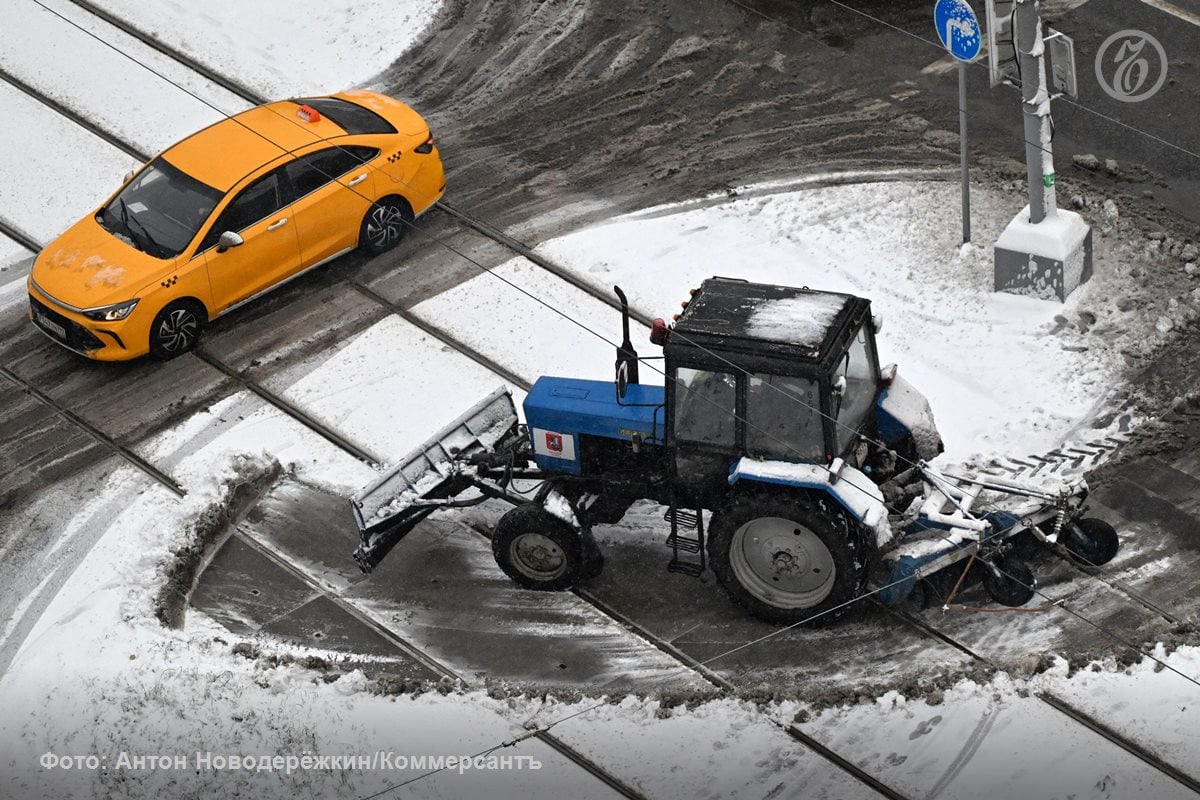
160,210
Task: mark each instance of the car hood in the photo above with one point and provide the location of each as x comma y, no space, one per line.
88,267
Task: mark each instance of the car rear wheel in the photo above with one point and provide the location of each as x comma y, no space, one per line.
176,329
386,223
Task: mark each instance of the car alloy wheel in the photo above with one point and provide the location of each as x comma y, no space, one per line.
386,226
176,331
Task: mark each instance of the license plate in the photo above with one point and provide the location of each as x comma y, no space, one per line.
50,325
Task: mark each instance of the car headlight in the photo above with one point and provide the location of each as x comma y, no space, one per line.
112,313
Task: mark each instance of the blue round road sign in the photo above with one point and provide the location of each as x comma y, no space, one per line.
958,29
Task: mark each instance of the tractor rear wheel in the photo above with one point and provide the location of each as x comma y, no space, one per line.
539,551
1091,541
787,560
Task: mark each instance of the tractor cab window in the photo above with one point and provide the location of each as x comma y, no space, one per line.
860,369
783,418
705,407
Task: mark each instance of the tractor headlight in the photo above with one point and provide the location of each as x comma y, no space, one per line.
113,313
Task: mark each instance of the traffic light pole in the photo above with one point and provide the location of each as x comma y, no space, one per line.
1039,158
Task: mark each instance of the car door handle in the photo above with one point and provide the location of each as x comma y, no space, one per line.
358,180
278,224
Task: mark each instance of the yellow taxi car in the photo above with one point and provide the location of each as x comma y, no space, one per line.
229,213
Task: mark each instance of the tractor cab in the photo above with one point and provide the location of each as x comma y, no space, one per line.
769,372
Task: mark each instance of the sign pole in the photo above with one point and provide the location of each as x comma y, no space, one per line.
959,31
962,135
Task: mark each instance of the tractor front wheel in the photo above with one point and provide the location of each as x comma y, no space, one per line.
1009,582
1092,541
789,561
539,551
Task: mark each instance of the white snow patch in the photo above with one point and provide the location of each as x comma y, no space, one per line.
54,171
392,388
560,508
800,320
858,492
1056,236
564,331
283,48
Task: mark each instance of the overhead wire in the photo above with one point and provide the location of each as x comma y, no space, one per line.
595,333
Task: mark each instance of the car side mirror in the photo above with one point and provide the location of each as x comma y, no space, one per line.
128,177
229,239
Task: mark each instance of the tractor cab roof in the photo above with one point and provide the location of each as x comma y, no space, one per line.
799,326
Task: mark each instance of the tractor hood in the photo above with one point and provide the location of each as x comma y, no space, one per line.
558,411
88,267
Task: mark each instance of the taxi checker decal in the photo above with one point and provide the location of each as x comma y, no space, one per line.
553,444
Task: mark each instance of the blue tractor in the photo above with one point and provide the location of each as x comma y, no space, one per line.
785,459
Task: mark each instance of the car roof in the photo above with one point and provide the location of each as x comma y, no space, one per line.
225,152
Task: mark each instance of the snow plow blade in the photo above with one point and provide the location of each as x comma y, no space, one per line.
431,476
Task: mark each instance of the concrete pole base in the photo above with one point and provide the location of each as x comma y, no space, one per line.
1047,260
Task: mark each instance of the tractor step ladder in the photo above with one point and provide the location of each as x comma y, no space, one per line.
686,520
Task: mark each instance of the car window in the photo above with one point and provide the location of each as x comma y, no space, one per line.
314,170
260,199
160,210
350,117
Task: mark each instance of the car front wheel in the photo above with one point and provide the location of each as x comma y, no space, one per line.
176,330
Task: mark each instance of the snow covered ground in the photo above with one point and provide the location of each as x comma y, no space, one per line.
99,675
45,44
286,48
54,171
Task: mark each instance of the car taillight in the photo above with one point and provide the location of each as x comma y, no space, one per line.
425,147
658,332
